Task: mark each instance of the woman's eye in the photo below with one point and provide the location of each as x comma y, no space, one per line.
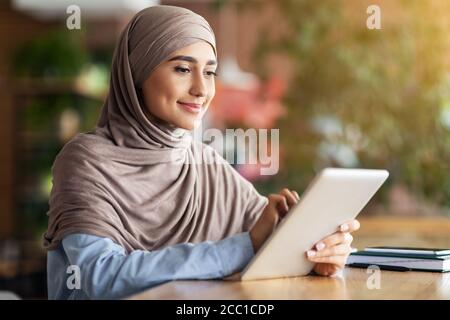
187,70
211,73
182,70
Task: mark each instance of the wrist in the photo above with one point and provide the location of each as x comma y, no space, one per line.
255,242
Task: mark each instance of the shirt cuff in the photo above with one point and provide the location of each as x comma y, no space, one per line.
235,252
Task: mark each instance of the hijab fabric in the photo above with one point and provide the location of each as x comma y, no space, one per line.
141,183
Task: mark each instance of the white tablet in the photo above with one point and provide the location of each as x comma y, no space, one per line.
332,198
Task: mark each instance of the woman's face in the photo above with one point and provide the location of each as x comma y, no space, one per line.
181,88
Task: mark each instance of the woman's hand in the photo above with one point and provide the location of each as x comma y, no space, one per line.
331,253
274,212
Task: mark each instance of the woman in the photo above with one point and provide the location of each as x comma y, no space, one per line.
131,205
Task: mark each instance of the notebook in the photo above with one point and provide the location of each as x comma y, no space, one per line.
409,250
400,261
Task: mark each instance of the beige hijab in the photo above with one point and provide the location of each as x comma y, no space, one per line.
142,184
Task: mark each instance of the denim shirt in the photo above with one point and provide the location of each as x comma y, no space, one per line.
89,267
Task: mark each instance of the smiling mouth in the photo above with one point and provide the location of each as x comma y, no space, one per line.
191,107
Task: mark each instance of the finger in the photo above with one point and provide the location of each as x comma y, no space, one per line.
334,239
296,195
290,197
271,213
350,226
336,260
279,202
338,250
326,269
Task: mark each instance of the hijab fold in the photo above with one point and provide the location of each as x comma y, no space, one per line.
140,182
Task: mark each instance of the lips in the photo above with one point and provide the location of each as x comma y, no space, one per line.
191,107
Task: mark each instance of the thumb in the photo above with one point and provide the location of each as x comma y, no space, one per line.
279,202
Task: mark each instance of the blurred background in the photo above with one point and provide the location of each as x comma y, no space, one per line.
341,95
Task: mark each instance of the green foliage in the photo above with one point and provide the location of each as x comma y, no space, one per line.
60,76
55,54
388,89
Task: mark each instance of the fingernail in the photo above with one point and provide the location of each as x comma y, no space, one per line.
311,253
320,246
344,227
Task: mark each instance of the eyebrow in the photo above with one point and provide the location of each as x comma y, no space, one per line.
193,60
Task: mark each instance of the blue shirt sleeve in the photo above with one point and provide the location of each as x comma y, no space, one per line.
107,272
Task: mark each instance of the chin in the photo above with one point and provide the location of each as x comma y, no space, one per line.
186,125
189,124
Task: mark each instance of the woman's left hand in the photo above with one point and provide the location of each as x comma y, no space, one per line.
331,253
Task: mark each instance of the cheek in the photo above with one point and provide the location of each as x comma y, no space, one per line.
165,93
175,89
150,99
211,92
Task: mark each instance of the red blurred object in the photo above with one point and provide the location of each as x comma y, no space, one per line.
256,107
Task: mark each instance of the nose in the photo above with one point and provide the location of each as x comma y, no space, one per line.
198,86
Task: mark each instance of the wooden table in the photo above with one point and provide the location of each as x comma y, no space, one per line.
351,283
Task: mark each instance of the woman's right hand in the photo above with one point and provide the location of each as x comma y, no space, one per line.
279,204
